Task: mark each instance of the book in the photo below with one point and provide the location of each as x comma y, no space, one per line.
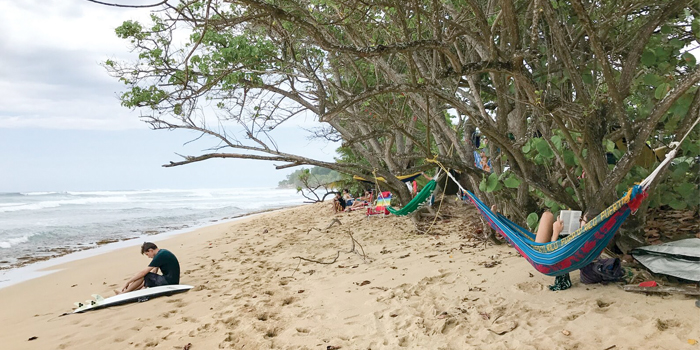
571,219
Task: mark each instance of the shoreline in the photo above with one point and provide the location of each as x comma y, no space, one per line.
41,266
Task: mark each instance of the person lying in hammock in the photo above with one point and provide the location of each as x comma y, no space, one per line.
549,230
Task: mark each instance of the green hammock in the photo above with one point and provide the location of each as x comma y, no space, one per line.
416,202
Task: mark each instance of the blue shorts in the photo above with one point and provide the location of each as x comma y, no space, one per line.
154,280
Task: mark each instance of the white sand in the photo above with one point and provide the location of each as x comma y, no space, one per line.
424,292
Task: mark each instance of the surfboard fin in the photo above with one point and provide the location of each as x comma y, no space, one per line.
98,298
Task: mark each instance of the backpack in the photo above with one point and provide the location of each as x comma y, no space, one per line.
602,271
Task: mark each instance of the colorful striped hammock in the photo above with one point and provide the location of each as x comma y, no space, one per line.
574,251
417,201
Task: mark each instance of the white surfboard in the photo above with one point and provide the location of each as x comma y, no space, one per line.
130,297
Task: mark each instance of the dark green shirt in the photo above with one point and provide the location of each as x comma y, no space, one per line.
168,264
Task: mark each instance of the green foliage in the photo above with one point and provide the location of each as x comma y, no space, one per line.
315,176
512,182
139,97
131,29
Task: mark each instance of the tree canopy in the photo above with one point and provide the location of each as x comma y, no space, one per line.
570,94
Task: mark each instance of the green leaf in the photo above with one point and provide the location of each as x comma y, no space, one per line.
609,146
512,182
662,53
543,148
556,140
689,59
527,146
676,43
555,209
492,183
667,197
648,58
532,220
678,204
695,27
587,77
482,185
652,79
679,171
687,190
538,159
661,91
569,157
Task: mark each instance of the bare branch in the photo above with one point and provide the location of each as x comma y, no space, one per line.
128,6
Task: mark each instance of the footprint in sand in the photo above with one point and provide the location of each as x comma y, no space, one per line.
602,305
168,314
450,324
530,286
573,316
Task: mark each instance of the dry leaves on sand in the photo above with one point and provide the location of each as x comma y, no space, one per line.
491,263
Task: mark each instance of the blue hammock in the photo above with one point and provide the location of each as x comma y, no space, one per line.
572,252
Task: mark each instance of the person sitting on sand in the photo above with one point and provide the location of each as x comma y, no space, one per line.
361,201
338,203
162,260
549,230
348,198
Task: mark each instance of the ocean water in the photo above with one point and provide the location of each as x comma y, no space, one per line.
42,225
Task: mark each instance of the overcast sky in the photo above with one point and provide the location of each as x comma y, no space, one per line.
62,127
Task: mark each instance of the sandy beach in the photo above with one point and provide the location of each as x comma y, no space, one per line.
447,290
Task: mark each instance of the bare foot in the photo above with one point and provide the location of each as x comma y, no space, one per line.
494,209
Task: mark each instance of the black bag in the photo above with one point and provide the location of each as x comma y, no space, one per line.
602,271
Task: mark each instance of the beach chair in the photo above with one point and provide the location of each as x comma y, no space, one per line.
380,208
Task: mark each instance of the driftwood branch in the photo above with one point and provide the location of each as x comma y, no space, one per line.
660,289
352,249
318,261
